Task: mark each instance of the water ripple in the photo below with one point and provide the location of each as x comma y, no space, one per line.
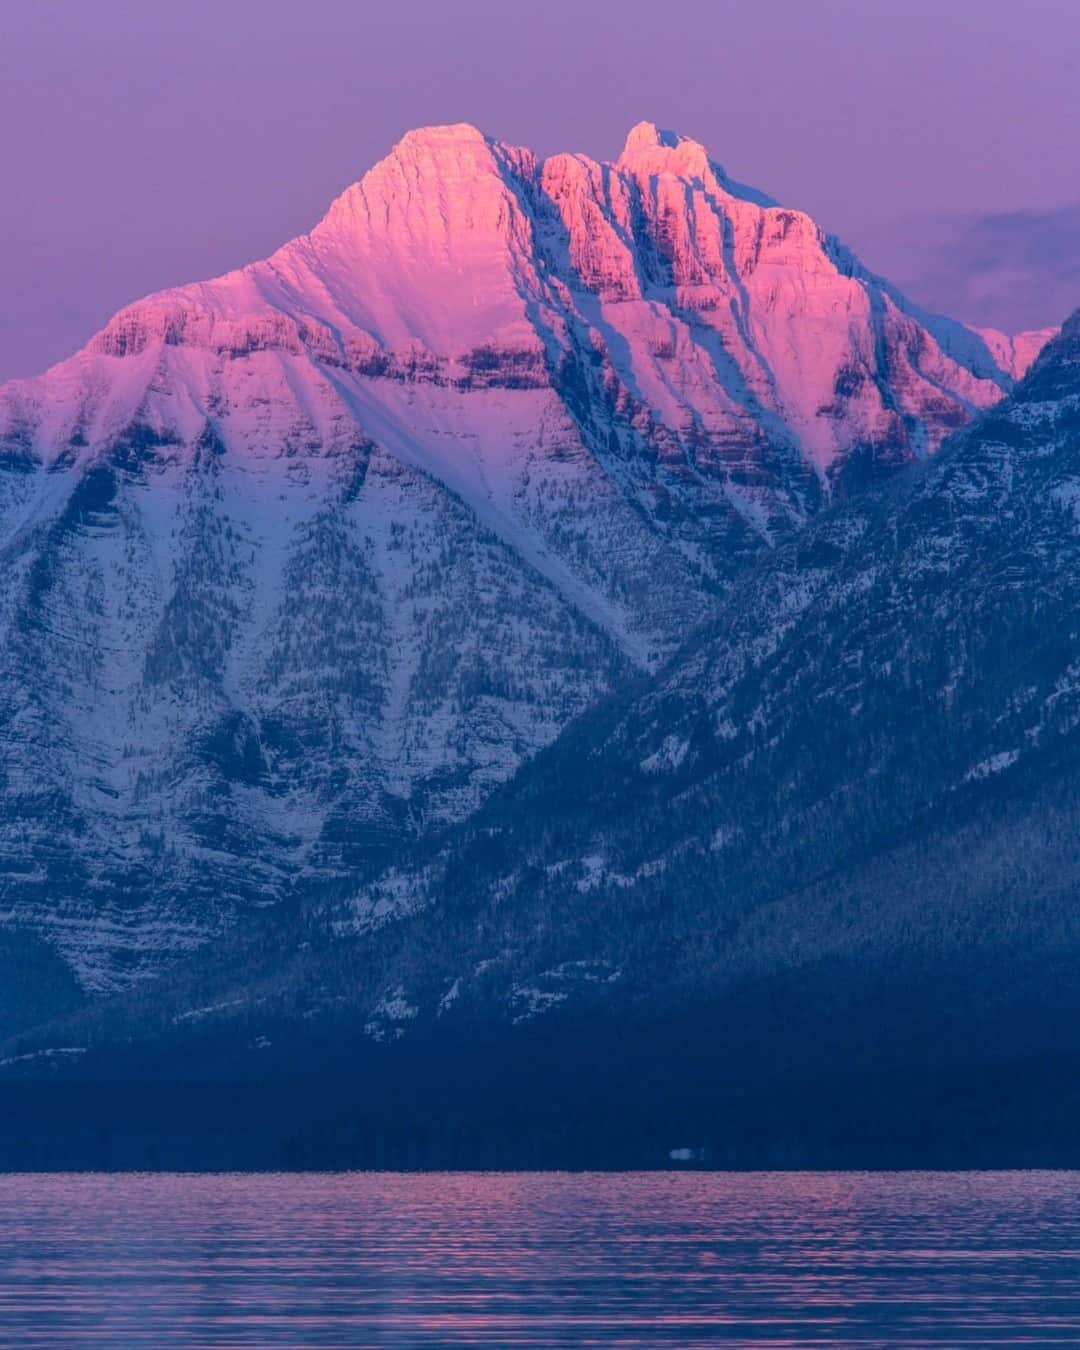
542,1259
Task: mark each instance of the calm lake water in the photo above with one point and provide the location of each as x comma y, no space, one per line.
540,1260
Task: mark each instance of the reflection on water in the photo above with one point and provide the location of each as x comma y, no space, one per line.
540,1260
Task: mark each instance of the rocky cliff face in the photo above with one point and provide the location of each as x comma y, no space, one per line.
302,562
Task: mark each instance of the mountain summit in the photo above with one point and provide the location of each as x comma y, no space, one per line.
303,561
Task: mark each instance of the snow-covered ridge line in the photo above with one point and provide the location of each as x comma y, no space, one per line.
460,259
303,561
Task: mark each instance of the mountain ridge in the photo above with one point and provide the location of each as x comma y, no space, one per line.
302,562
805,896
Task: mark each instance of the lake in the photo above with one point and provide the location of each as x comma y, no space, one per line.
540,1259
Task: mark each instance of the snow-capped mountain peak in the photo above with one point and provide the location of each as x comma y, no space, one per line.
309,557
650,150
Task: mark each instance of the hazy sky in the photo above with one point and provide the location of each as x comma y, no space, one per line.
149,142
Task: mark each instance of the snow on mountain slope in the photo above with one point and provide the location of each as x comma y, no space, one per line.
1016,354
838,827
869,763
304,560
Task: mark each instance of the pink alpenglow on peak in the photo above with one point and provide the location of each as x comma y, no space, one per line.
706,321
1016,354
650,150
315,554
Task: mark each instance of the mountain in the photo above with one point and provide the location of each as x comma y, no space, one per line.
1016,354
301,563
806,895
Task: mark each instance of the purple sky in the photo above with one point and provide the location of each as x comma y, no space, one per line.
144,144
